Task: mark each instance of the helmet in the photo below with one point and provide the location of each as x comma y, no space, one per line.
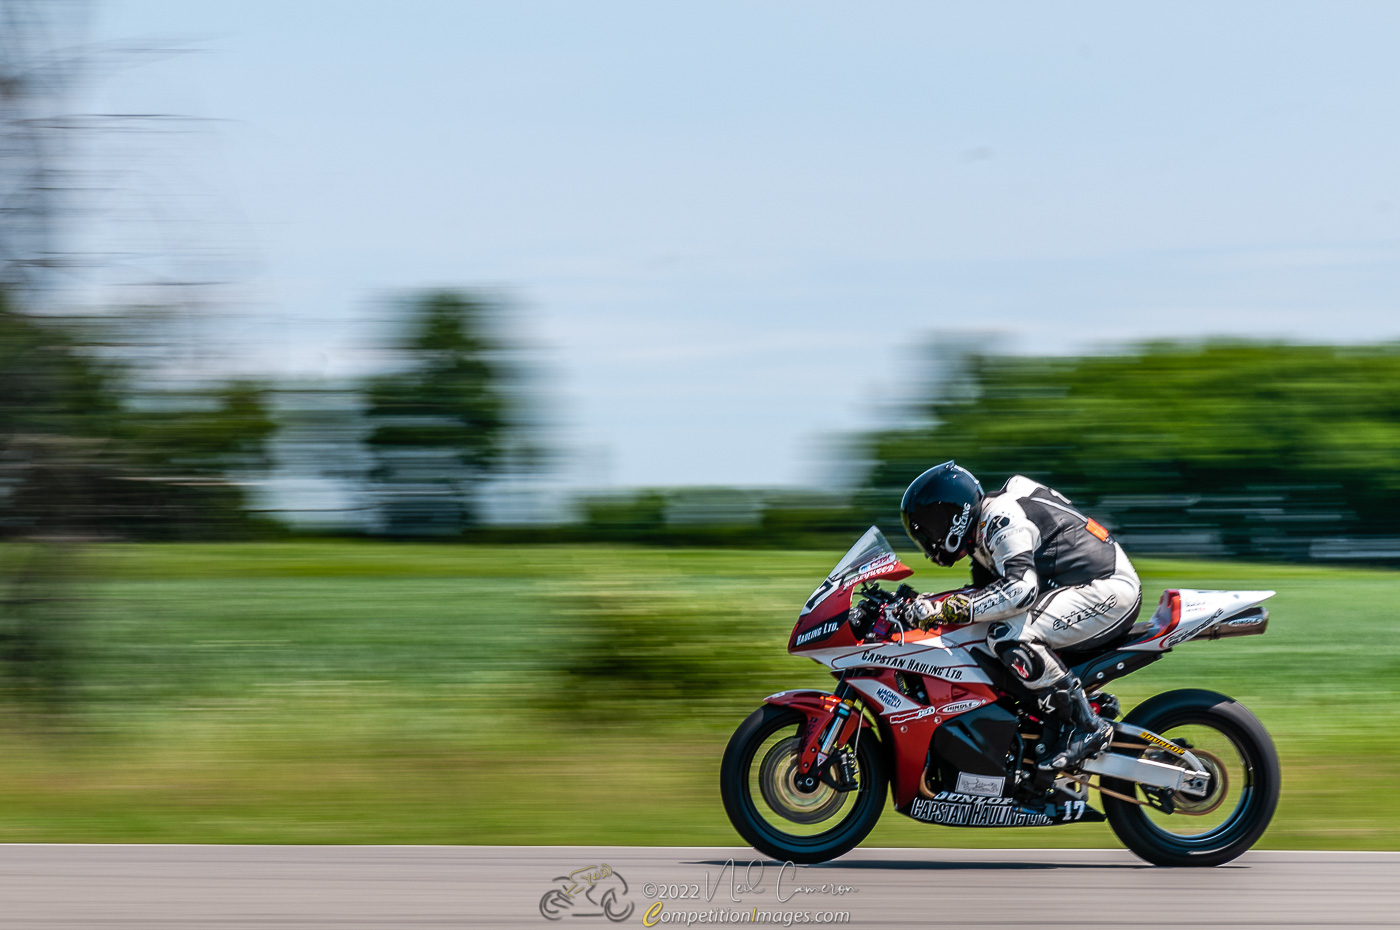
938,511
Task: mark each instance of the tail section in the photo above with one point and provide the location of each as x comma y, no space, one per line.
1185,614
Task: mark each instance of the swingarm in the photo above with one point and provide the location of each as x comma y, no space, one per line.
1189,777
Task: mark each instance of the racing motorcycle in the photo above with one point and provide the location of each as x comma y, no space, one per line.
1191,777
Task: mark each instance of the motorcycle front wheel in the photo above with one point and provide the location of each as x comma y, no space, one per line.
1180,830
758,784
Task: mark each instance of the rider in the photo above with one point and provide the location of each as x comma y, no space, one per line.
1048,576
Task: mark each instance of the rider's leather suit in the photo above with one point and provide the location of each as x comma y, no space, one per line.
1053,578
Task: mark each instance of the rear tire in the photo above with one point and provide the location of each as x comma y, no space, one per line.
742,803
1241,827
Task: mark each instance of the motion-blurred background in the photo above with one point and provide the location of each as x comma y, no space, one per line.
422,422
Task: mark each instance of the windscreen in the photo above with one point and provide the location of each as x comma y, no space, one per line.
867,549
871,553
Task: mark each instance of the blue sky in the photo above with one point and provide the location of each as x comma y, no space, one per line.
727,227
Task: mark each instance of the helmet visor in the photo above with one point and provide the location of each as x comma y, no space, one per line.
921,537
944,543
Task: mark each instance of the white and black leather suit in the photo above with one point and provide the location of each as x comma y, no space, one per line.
1052,579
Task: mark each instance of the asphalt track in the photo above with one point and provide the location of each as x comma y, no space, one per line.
368,887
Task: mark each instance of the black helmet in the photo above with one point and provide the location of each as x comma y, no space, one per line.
938,511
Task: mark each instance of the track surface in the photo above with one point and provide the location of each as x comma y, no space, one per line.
269,887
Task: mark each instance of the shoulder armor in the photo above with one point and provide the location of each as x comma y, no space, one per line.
1021,486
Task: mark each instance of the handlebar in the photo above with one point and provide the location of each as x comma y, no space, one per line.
886,619
876,593
889,614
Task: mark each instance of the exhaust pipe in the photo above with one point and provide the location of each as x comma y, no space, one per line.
1251,622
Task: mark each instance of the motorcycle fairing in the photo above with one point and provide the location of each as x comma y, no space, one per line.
914,721
1184,614
907,726
823,617
882,695
929,655
950,809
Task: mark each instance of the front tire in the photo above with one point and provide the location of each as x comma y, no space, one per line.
755,789
1245,771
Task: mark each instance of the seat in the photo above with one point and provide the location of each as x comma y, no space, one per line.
1090,649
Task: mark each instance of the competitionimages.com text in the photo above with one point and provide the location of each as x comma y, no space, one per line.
658,913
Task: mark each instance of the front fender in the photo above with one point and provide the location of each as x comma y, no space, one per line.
819,707
805,699
813,703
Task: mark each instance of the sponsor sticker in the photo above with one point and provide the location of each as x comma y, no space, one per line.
947,672
886,696
1157,741
958,707
919,714
817,633
967,810
1176,639
889,558
986,786
957,530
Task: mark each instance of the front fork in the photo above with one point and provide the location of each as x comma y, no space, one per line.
833,723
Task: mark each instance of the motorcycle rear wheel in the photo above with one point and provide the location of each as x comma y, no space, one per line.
1247,796
760,801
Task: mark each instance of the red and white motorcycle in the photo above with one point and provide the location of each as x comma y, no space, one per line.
1191,777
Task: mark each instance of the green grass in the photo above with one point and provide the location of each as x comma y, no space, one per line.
372,693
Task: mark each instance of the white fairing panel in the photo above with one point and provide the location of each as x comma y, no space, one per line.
886,700
1200,610
944,657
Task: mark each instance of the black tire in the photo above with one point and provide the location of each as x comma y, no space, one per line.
1258,797
740,804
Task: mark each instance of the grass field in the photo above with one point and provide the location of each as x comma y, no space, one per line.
371,693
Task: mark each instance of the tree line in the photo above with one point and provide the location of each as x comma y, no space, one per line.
1230,449
1233,449
92,448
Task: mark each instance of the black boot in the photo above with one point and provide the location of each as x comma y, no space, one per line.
1086,733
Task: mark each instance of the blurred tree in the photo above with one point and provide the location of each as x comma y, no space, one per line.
84,454
636,517
186,463
445,422
55,407
79,460
1220,448
87,446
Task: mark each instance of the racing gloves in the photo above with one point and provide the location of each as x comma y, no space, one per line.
925,611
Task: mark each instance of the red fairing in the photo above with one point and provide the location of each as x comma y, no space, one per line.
913,730
825,625
1172,598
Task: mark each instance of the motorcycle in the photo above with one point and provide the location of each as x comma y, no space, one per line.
1191,777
